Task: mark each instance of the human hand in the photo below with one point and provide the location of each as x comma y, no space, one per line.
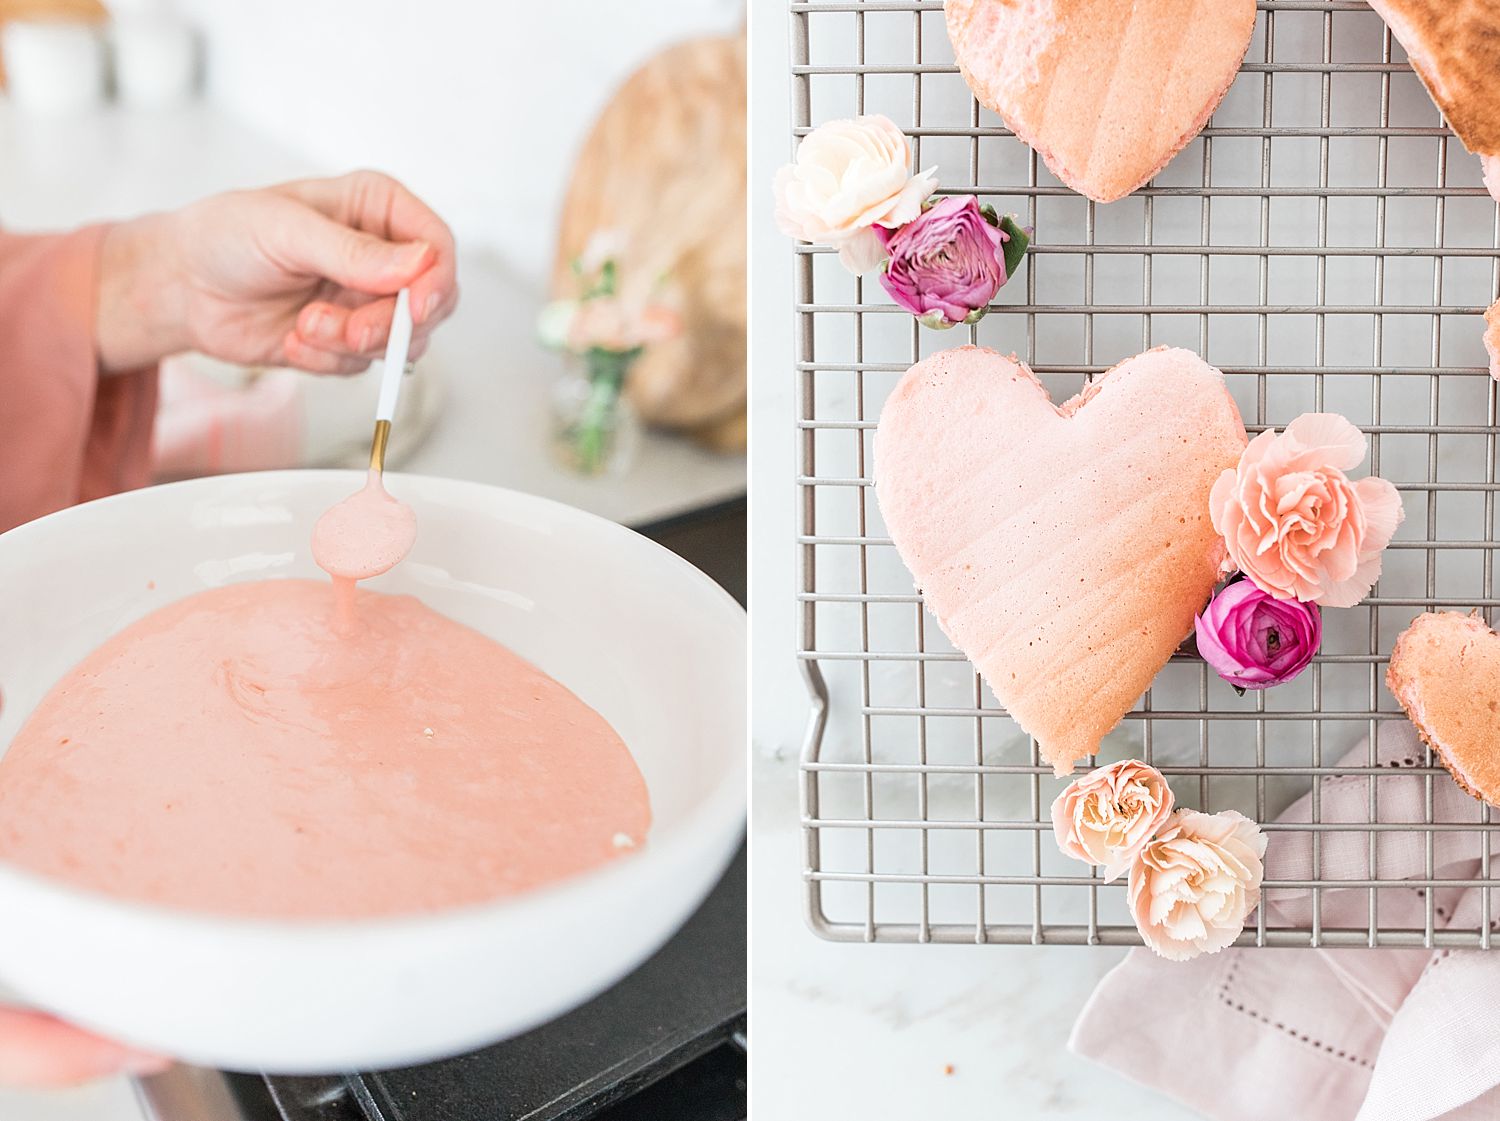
302,274
39,1052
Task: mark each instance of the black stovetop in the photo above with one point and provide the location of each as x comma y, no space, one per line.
665,1044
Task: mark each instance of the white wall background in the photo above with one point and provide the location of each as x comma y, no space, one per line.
479,105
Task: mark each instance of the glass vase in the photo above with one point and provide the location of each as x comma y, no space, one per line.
594,429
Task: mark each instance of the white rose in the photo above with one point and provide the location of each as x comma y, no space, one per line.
850,176
1191,887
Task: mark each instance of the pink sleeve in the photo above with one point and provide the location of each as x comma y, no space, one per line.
69,434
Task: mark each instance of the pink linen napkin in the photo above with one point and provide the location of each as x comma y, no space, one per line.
1327,1035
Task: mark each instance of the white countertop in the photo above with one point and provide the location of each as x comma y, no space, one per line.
493,427
111,1100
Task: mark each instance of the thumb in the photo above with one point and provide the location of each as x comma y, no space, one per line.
38,1051
351,258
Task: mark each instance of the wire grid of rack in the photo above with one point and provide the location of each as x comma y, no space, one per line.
1326,243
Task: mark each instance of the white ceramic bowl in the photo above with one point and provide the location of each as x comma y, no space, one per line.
639,634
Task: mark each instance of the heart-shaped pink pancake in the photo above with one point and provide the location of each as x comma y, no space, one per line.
1106,92
1454,48
1064,550
1445,671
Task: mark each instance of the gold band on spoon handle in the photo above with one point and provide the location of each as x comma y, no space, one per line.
377,446
394,368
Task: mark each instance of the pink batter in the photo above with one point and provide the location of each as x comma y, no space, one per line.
236,752
364,535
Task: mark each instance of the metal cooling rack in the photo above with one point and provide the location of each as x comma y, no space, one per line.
1325,242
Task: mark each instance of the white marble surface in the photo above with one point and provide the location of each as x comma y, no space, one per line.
867,1032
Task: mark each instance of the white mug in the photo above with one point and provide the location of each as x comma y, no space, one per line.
53,66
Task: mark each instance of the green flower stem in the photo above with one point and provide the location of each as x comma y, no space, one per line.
606,373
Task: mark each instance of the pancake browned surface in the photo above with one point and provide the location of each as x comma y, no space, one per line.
1454,46
1106,92
1445,672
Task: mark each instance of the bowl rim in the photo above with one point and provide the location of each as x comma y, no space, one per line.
725,803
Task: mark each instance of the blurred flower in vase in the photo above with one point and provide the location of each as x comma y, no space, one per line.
604,330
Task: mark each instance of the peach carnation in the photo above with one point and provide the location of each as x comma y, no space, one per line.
1106,816
1192,887
1295,524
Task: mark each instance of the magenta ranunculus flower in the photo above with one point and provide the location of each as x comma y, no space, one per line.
946,265
1254,640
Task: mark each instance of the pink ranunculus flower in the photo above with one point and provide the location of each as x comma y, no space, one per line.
1254,640
947,264
1192,887
1295,524
1106,816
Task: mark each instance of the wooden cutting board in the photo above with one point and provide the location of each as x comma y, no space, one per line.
664,168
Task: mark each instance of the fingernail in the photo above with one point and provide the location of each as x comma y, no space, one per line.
429,306
315,323
366,337
407,255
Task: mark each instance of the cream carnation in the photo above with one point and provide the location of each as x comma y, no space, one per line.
1108,815
1192,887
